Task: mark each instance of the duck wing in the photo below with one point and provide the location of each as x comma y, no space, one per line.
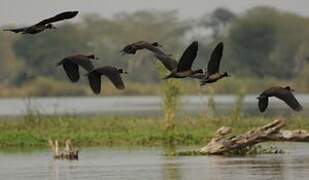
84,62
215,59
188,57
16,30
94,79
288,97
71,69
58,17
113,75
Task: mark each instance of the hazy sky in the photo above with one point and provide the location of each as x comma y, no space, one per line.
30,11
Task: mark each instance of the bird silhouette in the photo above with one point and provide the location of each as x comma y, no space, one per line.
112,73
283,93
71,65
184,64
168,62
44,24
212,75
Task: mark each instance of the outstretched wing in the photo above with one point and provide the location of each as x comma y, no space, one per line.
95,82
188,57
114,76
71,70
288,97
17,30
59,17
84,62
168,62
215,59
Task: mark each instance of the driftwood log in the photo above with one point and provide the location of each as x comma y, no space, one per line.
221,144
68,151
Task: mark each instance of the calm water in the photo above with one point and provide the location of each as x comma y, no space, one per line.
136,105
148,164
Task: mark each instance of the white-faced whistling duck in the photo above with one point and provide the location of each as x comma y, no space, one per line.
283,93
213,74
168,62
71,65
184,65
112,73
44,24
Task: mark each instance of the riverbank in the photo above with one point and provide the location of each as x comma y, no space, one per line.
35,130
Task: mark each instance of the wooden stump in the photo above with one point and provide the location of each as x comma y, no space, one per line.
220,144
67,153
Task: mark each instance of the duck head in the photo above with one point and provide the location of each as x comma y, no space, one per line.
226,75
121,71
289,88
92,56
50,26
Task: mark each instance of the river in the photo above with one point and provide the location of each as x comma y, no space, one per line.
137,105
151,163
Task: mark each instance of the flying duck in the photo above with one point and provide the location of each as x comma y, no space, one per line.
71,65
168,62
112,73
184,65
133,47
44,24
283,93
212,75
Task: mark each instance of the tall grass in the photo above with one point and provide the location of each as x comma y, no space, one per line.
171,98
129,131
239,104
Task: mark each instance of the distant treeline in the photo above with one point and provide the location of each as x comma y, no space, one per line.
261,43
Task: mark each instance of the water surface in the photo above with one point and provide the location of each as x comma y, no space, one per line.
138,105
150,163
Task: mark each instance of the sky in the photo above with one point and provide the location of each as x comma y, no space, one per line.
30,11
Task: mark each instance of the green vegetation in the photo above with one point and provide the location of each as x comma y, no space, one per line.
35,130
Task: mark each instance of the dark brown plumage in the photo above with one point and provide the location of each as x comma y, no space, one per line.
213,74
71,65
44,24
134,47
112,73
283,93
184,65
168,62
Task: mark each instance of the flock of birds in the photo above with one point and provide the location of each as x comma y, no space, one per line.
178,69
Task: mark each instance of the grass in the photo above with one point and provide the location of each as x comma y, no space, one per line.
34,131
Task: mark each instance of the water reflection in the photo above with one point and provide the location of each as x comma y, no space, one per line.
170,167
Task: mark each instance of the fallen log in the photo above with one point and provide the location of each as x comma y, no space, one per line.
67,153
221,144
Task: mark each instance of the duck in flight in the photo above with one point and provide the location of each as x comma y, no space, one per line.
183,68
168,62
212,75
180,69
134,47
283,93
44,24
71,65
112,73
